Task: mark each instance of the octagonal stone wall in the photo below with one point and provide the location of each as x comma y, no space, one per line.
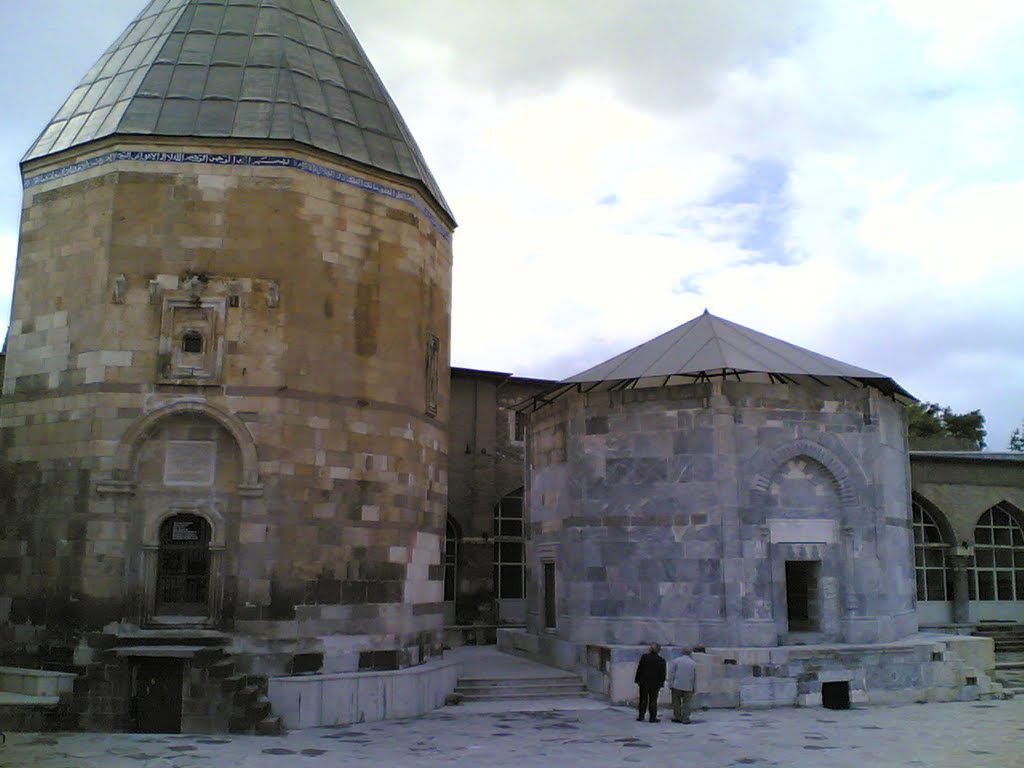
669,514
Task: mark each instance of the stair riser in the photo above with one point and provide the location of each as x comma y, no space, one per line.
516,686
475,683
512,693
525,692
496,697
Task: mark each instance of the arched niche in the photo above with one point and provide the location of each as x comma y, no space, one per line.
846,474
809,546
146,426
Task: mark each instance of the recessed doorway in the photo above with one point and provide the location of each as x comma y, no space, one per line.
183,567
158,695
802,604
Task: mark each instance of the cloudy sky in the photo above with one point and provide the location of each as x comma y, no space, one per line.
847,176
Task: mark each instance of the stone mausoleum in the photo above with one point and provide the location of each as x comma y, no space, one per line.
241,484
719,488
226,396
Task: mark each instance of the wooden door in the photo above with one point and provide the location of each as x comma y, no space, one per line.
158,684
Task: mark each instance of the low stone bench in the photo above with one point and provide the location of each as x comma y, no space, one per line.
35,682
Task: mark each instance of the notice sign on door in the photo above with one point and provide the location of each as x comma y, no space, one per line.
184,530
190,462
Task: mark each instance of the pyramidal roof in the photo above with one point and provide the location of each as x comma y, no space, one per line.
241,69
709,347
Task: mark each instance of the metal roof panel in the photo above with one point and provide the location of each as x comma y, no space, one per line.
196,68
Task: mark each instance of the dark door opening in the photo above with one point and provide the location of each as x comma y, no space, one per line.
158,685
550,613
802,595
183,566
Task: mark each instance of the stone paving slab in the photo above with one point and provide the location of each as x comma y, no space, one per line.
957,735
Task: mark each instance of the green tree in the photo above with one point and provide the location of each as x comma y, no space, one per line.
1017,438
931,426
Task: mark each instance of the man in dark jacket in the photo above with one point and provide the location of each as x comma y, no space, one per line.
650,676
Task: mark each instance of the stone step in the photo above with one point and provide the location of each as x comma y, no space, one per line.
197,637
270,726
464,689
513,695
556,686
480,682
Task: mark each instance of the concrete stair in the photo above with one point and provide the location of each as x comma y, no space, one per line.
1010,674
503,688
1009,638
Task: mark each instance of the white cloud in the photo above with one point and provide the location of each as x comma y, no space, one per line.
608,165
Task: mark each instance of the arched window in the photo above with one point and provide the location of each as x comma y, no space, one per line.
998,556
934,576
451,558
509,548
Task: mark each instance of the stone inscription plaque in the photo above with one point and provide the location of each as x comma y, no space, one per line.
184,531
190,462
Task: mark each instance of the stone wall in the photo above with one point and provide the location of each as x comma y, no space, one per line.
670,514
923,668
486,464
323,297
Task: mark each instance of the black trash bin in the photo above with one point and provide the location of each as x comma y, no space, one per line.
836,695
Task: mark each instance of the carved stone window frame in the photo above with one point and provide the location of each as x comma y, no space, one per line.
211,361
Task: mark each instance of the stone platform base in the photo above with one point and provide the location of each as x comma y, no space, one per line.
919,668
310,701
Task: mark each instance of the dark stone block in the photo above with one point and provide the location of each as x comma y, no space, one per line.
307,613
378,660
327,589
353,592
306,663
619,471
650,470
282,601
695,441
329,535
597,425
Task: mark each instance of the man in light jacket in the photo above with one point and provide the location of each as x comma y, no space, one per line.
682,680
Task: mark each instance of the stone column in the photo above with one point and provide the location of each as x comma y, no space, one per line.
961,597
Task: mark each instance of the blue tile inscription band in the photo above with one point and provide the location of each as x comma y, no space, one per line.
210,158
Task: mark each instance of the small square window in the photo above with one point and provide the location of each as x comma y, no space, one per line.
192,342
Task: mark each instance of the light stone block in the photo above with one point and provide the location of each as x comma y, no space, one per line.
784,531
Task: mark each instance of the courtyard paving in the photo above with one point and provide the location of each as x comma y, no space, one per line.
592,734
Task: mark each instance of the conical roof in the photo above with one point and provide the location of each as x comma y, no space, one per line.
242,69
709,347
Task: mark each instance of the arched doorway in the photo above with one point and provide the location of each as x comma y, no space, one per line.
183,567
997,576
932,568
